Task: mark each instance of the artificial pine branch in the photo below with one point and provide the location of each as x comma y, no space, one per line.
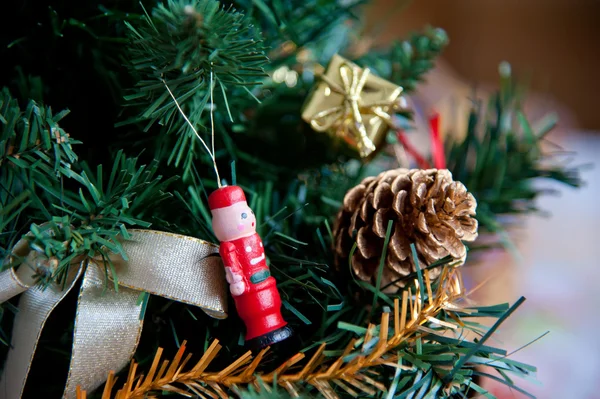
33,149
96,216
288,26
183,43
503,153
31,139
411,347
78,212
411,59
406,62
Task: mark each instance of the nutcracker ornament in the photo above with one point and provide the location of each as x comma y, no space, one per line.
253,288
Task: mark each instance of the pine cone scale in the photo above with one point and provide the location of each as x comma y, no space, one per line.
356,222
367,244
366,207
401,182
429,253
380,222
383,196
399,245
400,203
422,224
354,196
363,268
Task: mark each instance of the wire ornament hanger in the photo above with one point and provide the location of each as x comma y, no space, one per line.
212,125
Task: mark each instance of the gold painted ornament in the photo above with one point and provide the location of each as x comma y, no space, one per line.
428,209
351,103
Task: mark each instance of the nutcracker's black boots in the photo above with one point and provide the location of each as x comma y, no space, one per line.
269,339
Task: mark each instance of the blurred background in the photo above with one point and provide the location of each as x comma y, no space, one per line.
552,43
553,47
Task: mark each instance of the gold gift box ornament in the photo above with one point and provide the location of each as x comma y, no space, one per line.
351,103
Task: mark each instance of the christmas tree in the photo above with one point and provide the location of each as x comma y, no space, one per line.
114,118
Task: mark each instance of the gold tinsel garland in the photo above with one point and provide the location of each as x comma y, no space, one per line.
320,371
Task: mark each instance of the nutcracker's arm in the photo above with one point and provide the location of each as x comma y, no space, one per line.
230,260
233,270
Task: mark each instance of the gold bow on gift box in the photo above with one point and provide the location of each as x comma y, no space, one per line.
108,321
351,103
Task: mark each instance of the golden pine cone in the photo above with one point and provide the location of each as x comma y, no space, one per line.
427,208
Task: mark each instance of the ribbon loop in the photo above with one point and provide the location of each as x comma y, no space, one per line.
14,282
107,331
185,269
35,306
108,322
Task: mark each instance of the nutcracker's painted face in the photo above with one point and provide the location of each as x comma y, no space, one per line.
234,221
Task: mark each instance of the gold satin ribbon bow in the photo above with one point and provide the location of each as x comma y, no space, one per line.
347,119
108,323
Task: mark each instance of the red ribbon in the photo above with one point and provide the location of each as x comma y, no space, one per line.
437,147
412,151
